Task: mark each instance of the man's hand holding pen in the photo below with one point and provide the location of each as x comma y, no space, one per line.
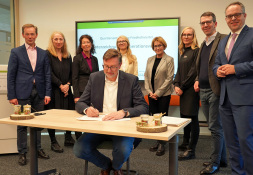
92,111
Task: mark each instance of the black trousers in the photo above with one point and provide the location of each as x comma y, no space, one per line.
37,104
191,131
161,105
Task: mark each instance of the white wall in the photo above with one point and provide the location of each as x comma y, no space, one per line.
60,15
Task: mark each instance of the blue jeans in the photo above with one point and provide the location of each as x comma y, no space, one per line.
86,148
210,107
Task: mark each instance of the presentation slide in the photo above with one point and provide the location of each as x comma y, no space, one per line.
140,34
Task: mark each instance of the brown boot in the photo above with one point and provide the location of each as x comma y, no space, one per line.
107,171
118,172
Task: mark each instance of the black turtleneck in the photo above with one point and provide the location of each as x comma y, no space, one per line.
157,61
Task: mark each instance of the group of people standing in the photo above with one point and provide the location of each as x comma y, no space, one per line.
221,72
51,75
214,73
220,78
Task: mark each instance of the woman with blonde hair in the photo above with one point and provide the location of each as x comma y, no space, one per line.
61,78
189,99
129,61
158,83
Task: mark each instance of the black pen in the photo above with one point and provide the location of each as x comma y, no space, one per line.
92,105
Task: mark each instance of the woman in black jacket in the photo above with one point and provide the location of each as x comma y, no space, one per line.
84,64
189,99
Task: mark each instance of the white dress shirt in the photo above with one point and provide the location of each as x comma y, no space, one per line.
110,95
210,39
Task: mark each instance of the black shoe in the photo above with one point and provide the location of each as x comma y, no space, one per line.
222,164
161,150
42,154
56,147
210,169
183,146
188,154
69,141
22,159
154,147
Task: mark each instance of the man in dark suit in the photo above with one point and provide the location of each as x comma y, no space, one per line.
117,94
234,68
28,82
209,88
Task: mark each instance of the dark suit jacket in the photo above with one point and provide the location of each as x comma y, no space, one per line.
20,74
81,73
129,96
239,85
215,85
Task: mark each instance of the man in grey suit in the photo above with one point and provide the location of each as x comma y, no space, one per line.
234,68
117,94
29,82
209,88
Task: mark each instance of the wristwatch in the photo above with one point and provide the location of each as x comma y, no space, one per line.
126,113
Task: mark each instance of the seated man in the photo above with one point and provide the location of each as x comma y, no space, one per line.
119,95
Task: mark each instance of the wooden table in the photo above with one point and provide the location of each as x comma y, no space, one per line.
66,120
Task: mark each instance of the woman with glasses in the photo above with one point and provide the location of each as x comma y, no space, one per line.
61,78
129,61
158,83
189,99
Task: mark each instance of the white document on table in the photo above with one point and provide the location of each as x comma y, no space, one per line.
174,121
99,118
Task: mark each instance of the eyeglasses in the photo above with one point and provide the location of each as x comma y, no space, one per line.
123,41
236,15
113,68
206,22
156,46
186,35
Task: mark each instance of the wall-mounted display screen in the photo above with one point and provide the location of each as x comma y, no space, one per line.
140,33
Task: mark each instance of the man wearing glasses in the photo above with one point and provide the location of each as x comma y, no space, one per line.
209,88
234,68
117,94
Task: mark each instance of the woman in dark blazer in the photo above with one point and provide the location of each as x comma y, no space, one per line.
158,83
189,99
61,76
84,64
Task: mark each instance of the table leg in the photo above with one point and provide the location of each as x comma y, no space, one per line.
173,155
33,152
34,155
